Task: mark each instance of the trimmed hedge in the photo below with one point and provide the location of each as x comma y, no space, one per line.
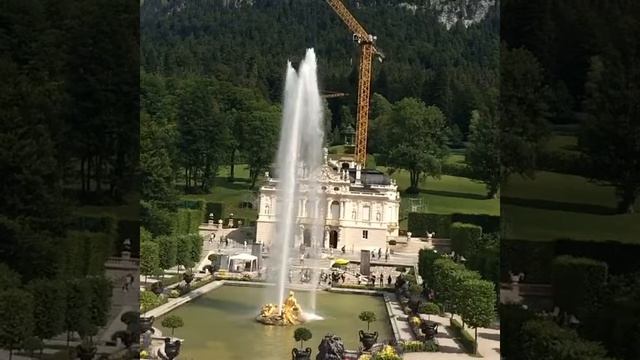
421,223
187,221
459,170
467,340
85,253
465,238
576,282
213,207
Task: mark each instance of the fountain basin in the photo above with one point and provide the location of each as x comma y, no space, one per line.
220,322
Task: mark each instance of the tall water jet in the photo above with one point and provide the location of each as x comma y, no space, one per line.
298,162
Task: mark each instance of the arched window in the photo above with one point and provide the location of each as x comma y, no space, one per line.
335,210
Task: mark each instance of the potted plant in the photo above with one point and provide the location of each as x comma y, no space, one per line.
366,338
172,322
301,334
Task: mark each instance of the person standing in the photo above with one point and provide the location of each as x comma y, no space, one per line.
245,245
389,280
386,257
381,280
379,253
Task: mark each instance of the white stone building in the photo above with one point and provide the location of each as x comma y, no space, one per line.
358,209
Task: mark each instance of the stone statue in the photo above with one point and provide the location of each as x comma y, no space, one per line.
291,313
171,349
126,244
330,348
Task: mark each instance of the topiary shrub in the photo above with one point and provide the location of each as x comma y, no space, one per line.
368,317
302,334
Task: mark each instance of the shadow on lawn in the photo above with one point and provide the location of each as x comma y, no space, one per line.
561,206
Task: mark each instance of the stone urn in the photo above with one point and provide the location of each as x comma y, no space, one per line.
429,329
86,351
188,277
171,349
368,339
146,324
298,354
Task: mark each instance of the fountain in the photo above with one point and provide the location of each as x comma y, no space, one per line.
291,313
298,161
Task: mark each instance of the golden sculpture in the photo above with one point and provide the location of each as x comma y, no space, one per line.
291,313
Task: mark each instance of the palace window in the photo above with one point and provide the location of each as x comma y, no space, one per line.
365,234
366,213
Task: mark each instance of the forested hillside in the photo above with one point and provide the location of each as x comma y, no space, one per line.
247,43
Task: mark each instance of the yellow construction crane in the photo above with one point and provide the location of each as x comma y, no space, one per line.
367,51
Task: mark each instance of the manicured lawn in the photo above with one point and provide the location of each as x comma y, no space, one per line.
562,143
231,194
527,223
560,188
449,194
128,211
560,206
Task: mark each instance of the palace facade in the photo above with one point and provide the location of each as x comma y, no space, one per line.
358,209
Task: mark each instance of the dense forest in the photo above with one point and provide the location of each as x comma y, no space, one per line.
248,44
573,66
68,141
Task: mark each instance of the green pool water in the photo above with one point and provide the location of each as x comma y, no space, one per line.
221,324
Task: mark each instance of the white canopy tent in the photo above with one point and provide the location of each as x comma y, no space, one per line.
243,262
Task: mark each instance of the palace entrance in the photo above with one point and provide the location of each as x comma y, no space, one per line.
333,239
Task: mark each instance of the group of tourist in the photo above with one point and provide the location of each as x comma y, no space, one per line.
386,254
371,280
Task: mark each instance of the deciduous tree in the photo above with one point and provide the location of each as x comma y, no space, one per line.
417,138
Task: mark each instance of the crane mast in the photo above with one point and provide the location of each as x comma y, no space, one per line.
367,50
